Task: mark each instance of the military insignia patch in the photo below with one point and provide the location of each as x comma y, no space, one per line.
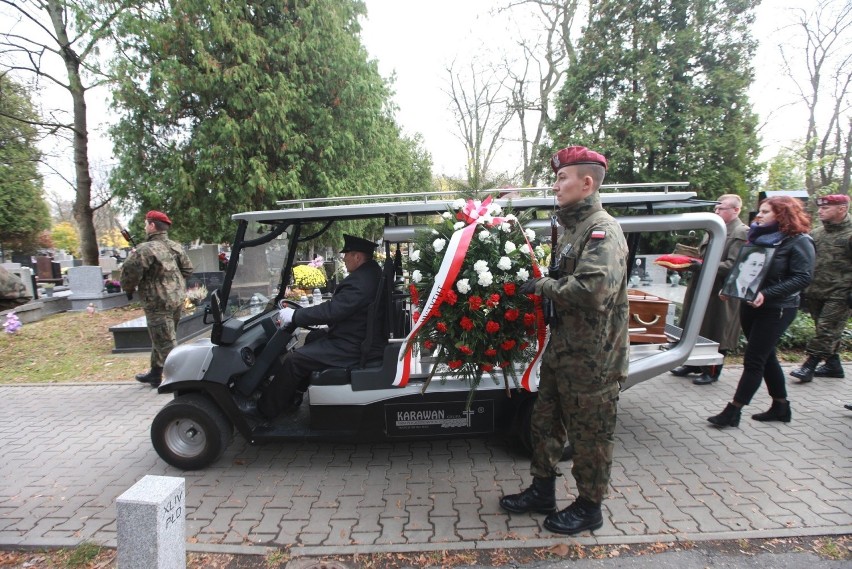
598,234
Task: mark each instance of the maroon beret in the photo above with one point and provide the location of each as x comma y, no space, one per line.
157,216
833,199
576,155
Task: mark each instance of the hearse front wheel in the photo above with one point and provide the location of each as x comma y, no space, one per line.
191,432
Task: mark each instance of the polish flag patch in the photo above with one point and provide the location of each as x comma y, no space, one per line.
598,234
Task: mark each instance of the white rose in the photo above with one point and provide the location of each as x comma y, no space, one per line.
458,225
494,209
485,220
525,249
523,274
484,236
480,266
447,215
439,245
458,204
530,234
505,227
485,279
414,256
463,286
509,247
416,276
505,263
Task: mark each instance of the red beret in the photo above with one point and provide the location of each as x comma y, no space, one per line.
576,155
158,216
833,199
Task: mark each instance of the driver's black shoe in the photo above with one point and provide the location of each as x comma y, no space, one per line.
580,516
247,405
684,371
153,377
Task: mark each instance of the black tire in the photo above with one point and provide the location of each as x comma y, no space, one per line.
523,430
191,432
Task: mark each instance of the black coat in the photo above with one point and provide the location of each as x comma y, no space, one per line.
345,314
790,271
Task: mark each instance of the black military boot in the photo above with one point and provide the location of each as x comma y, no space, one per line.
540,497
778,411
708,375
831,368
805,374
154,377
685,370
580,516
729,417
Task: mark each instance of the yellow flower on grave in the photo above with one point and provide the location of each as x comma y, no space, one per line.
305,276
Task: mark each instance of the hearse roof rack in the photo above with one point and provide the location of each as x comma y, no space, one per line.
643,196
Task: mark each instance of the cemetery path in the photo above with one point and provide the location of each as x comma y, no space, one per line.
69,450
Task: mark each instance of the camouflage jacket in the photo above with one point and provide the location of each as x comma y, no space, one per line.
157,270
590,340
833,268
13,293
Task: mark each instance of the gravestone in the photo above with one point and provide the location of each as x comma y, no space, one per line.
23,273
87,287
47,270
656,273
151,523
211,280
107,264
204,259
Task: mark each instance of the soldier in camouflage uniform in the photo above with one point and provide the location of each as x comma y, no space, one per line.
587,356
13,293
157,269
828,297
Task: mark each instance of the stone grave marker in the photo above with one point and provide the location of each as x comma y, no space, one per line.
204,259
107,264
86,280
151,523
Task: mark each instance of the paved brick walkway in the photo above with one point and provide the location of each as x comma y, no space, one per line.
69,450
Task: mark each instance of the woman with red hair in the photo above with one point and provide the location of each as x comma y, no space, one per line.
781,224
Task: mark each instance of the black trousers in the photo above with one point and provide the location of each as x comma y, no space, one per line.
294,373
763,327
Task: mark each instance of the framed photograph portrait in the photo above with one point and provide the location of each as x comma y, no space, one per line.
749,271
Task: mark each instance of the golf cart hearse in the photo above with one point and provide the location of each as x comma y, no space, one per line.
362,403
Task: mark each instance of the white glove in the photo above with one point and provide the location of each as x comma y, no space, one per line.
285,316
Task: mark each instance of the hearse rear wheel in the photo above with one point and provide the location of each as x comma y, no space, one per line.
191,432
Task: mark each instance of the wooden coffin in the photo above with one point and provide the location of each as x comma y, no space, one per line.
647,317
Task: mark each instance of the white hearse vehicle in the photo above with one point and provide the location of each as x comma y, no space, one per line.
362,404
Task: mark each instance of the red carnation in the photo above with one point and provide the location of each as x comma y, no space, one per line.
529,319
509,289
490,352
466,324
441,327
524,345
416,315
450,297
465,350
507,345
512,314
455,364
475,302
486,367
429,344
493,300
505,364
492,327
415,298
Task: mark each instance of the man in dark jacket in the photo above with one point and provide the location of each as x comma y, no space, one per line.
345,314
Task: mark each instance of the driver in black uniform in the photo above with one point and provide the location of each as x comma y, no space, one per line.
345,314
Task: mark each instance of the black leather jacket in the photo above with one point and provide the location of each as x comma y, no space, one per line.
790,271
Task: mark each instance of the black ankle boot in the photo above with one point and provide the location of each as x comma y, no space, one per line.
779,411
685,370
831,368
540,497
730,417
580,516
153,377
805,374
709,374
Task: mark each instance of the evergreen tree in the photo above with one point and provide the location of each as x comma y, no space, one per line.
232,105
23,211
661,89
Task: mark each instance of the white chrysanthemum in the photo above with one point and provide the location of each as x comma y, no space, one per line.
485,279
505,263
447,215
539,252
530,234
439,244
484,236
510,218
458,225
505,227
463,286
509,247
416,276
523,274
525,249
485,220
494,209
414,256
458,204
480,266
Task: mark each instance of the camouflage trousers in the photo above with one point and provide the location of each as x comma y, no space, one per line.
830,316
162,328
565,411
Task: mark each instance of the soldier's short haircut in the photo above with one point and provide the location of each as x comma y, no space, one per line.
159,225
596,171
